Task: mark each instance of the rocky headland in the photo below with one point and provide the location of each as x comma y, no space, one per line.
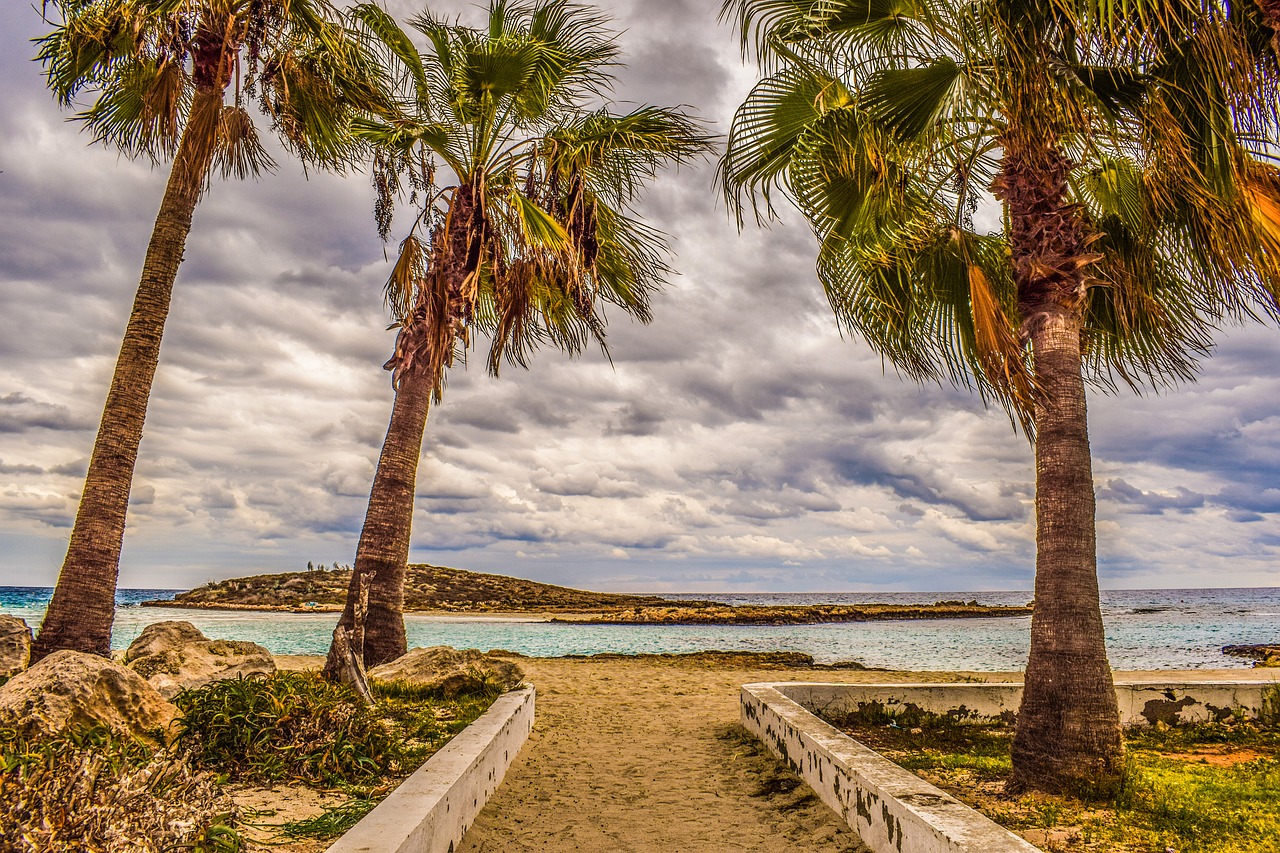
442,590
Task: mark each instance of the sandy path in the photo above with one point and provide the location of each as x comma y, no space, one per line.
644,755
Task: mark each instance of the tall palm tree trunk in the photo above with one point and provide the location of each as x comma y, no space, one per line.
1068,729
83,605
383,552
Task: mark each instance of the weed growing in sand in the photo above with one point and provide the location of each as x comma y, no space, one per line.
331,822
93,790
1197,788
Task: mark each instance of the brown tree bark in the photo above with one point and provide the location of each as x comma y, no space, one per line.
383,552
1068,728
83,605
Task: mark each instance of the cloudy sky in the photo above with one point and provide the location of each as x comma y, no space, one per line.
736,443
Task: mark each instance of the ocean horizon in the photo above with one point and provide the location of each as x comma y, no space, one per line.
1146,629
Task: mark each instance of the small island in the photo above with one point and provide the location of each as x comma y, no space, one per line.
441,590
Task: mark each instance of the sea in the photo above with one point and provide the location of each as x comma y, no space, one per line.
1146,629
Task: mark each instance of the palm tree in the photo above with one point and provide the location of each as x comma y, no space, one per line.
527,239
160,72
885,123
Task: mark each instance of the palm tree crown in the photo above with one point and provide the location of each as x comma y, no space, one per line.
523,182
144,61
1127,158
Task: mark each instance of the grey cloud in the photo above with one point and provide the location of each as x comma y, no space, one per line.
19,413
636,418
1244,516
77,468
583,482
482,414
1118,491
1253,498
913,478
19,468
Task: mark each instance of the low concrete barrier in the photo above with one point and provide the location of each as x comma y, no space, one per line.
895,811
1141,703
892,809
433,808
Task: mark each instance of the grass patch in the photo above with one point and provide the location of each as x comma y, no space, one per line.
1199,788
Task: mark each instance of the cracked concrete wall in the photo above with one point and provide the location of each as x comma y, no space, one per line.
1141,703
892,809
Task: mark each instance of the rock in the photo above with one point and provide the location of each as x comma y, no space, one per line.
1264,654
197,663
15,645
450,671
163,637
73,690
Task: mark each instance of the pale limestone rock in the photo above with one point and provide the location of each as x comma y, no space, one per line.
449,671
198,663
15,645
163,637
176,656
73,690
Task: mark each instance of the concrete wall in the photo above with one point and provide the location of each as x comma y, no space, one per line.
895,811
1141,703
433,808
892,809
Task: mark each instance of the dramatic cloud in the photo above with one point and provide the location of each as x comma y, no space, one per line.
737,442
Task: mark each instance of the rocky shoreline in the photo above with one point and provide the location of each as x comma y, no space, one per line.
1263,655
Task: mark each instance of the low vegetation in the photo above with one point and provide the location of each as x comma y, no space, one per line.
92,790
1201,788
297,728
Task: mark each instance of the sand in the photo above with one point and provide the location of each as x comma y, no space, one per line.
644,754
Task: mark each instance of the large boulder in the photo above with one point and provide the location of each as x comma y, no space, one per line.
163,637
176,656
15,645
76,690
450,671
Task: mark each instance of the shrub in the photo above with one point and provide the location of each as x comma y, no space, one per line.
287,726
92,790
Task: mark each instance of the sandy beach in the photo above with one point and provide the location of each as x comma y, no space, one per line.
643,754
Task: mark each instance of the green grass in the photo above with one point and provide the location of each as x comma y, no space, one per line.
1200,788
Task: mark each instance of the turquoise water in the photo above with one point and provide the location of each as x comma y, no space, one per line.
1146,629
